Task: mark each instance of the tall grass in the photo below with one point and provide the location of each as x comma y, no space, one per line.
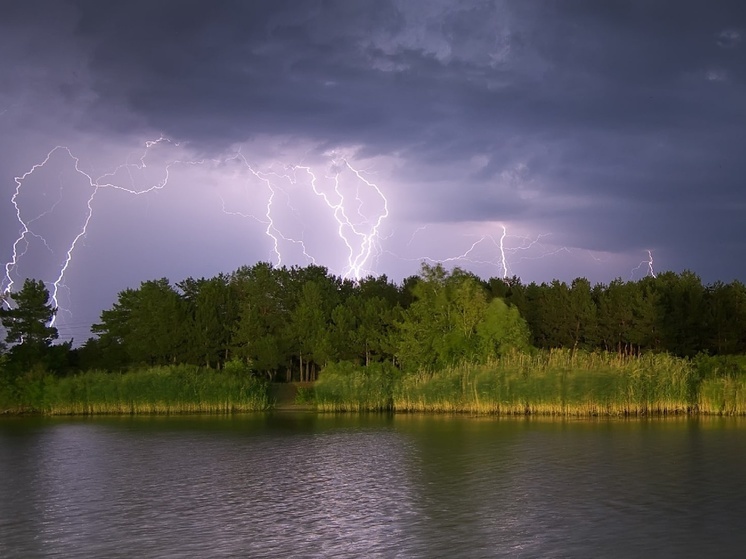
555,383
348,387
558,382
176,389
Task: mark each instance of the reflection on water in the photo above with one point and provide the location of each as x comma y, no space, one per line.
301,485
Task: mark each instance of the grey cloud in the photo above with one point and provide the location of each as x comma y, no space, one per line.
614,125
729,38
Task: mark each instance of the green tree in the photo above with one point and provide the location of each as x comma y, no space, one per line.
310,321
424,320
643,299
502,330
27,323
149,322
727,315
213,313
682,312
582,314
261,332
445,324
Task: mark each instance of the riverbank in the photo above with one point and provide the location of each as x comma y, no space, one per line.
558,383
561,383
158,390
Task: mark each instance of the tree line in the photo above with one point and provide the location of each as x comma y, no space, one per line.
287,323
672,313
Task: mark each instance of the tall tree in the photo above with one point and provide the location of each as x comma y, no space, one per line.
682,312
502,330
310,325
727,315
150,322
28,325
213,314
424,320
260,334
582,313
451,321
615,315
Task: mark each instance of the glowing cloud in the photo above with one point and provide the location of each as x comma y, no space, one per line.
358,206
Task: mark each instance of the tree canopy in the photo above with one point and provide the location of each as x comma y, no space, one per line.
288,323
27,322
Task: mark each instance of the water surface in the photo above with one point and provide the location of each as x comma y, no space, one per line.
305,485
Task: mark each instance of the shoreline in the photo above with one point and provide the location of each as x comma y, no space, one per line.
289,408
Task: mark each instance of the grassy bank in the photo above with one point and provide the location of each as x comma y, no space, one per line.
561,383
550,383
348,387
177,389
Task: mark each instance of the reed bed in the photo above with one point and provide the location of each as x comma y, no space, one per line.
346,387
162,390
723,396
555,383
559,382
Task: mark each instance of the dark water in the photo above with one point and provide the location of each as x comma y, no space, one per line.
289,485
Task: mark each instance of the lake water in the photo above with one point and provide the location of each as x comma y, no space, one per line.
301,485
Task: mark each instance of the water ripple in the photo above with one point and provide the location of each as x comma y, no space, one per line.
372,486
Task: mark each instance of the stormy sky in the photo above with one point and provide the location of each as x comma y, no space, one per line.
198,136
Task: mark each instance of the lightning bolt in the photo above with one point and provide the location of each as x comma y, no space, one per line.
501,250
500,256
357,261
414,234
649,263
465,256
271,231
103,181
360,235
503,258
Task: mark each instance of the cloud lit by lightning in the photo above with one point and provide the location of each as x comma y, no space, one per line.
357,208
500,251
306,211
360,235
357,205
106,180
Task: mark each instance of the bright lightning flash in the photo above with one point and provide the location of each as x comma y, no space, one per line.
500,250
360,234
649,263
357,205
107,180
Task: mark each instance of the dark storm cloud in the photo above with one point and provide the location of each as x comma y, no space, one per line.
616,125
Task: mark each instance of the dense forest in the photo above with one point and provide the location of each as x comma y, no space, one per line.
288,323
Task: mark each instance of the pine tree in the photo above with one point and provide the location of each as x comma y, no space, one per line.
27,322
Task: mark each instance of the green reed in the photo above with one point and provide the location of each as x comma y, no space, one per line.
558,382
176,389
723,395
349,387
721,388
